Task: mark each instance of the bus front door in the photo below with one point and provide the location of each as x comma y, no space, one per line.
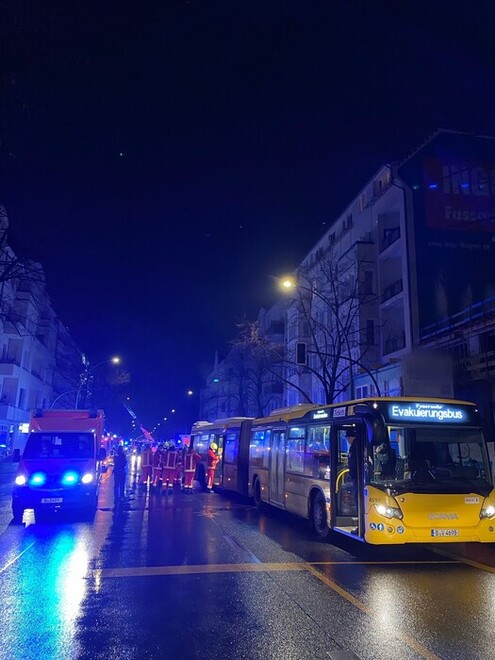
277,468
347,479
219,476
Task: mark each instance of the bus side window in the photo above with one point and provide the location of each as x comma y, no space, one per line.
317,455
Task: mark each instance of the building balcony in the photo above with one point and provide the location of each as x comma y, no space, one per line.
392,290
389,236
478,366
395,343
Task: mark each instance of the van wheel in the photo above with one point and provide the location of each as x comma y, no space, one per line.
40,515
17,512
258,502
318,515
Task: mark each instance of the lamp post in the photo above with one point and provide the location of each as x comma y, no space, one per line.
88,372
62,395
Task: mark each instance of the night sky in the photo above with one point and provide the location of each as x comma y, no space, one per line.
165,160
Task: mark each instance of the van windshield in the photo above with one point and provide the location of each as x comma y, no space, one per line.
59,444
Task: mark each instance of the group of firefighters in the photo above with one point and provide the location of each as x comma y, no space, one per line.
164,466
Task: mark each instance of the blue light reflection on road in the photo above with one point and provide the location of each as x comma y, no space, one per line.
43,591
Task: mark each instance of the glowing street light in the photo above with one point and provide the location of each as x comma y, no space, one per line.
288,282
190,392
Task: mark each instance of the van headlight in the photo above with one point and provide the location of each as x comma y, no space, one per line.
388,511
87,478
37,479
70,478
20,480
487,511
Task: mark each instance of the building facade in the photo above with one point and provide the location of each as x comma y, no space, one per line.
38,359
398,296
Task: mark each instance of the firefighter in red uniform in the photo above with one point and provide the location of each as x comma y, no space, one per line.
146,465
191,459
157,466
170,468
211,463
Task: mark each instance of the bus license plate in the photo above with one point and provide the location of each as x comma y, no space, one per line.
445,532
52,500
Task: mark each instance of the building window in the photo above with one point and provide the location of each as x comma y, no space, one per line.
370,333
367,282
487,342
362,391
347,222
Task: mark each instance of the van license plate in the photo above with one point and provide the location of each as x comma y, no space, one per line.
445,532
52,500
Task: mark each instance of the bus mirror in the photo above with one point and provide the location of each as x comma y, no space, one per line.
16,456
102,454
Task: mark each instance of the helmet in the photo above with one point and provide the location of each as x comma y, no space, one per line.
213,446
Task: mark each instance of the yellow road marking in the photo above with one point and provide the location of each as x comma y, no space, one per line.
465,560
407,639
141,571
191,569
149,571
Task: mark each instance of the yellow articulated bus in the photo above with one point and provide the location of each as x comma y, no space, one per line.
231,437
381,470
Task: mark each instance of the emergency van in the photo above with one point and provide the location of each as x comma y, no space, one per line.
61,465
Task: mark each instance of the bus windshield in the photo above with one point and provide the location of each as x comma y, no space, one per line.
59,444
431,459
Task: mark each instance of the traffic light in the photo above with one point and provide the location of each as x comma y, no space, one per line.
301,353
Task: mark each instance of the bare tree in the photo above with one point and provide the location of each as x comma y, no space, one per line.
330,299
15,275
325,337
255,360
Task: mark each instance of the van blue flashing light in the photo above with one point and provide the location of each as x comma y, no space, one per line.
38,479
70,478
427,412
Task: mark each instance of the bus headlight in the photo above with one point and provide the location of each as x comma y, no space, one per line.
388,511
20,480
487,511
87,478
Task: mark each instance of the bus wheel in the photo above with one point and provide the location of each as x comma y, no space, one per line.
318,515
258,502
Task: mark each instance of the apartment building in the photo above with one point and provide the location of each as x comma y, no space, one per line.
419,239
398,295
37,357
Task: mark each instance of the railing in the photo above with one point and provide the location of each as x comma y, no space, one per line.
395,343
477,312
478,365
392,290
389,236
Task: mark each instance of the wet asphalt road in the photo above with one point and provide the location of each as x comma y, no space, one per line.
208,576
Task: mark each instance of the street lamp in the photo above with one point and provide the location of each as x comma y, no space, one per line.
87,373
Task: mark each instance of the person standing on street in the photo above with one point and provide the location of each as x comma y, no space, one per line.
191,459
119,471
146,466
211,463
170,466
